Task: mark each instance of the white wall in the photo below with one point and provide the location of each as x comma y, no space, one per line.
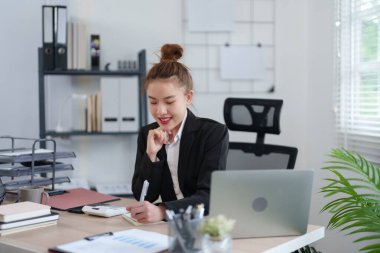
304,80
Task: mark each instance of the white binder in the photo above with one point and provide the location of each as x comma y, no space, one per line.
129,101
120,105
109,87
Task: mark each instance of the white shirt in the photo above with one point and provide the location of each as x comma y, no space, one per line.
172,156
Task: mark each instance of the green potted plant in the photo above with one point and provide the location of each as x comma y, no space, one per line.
355,208
216,234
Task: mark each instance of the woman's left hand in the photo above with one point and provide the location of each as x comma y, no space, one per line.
146,212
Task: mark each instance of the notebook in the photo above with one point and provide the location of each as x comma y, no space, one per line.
27,227
25,222
22,210
128,217
264,203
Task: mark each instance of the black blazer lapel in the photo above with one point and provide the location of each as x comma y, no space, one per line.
187,140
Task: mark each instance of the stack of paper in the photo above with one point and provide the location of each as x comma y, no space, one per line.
133,240
24,216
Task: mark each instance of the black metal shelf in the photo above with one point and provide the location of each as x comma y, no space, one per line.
83,133
77,72
140,73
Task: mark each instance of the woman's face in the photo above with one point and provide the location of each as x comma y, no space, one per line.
168,103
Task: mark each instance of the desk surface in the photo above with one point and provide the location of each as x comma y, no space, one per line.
73,227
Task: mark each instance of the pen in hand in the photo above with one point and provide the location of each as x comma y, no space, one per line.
144,190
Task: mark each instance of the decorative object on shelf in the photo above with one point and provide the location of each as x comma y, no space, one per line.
107,67
68,100
95,51
127,65
356,188
216,231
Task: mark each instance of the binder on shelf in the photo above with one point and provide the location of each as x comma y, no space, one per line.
60,52
120,104
48,36
70,45
110,104
129,104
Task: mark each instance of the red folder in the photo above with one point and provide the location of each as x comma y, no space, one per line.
78,197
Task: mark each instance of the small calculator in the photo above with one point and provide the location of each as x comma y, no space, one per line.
104,211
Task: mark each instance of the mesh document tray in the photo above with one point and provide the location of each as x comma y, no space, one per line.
20,161
24,158
20,170
16,184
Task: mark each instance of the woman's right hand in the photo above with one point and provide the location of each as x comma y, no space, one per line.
156,138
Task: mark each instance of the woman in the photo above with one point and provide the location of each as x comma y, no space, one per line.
177,153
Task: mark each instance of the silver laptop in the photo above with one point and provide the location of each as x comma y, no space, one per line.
264,203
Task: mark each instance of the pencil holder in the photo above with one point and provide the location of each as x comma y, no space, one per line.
184,236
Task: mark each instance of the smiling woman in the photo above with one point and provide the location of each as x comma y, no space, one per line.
177,153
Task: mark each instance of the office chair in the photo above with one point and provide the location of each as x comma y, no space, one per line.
263,117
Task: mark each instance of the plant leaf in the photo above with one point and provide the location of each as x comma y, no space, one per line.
356,207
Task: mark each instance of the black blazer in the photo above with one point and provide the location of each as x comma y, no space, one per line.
203,149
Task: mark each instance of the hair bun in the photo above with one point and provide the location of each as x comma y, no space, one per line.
171,52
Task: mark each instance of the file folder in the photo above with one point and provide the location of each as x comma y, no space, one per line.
129,104
61,37
78,197
110,104
48,36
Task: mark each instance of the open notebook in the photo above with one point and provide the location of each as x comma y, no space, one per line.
133,221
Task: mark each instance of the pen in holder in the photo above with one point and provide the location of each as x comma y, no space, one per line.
183,231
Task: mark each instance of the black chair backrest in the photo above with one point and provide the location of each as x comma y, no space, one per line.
261,116
253,115
249,156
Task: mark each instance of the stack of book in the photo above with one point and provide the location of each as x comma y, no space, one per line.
22,216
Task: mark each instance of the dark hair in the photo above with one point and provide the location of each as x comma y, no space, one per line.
170,68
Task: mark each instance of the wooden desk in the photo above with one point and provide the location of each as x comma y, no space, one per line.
73,227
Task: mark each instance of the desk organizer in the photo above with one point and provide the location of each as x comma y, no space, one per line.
184,235
17,162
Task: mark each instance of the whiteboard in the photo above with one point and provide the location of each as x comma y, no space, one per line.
242,63
210,15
